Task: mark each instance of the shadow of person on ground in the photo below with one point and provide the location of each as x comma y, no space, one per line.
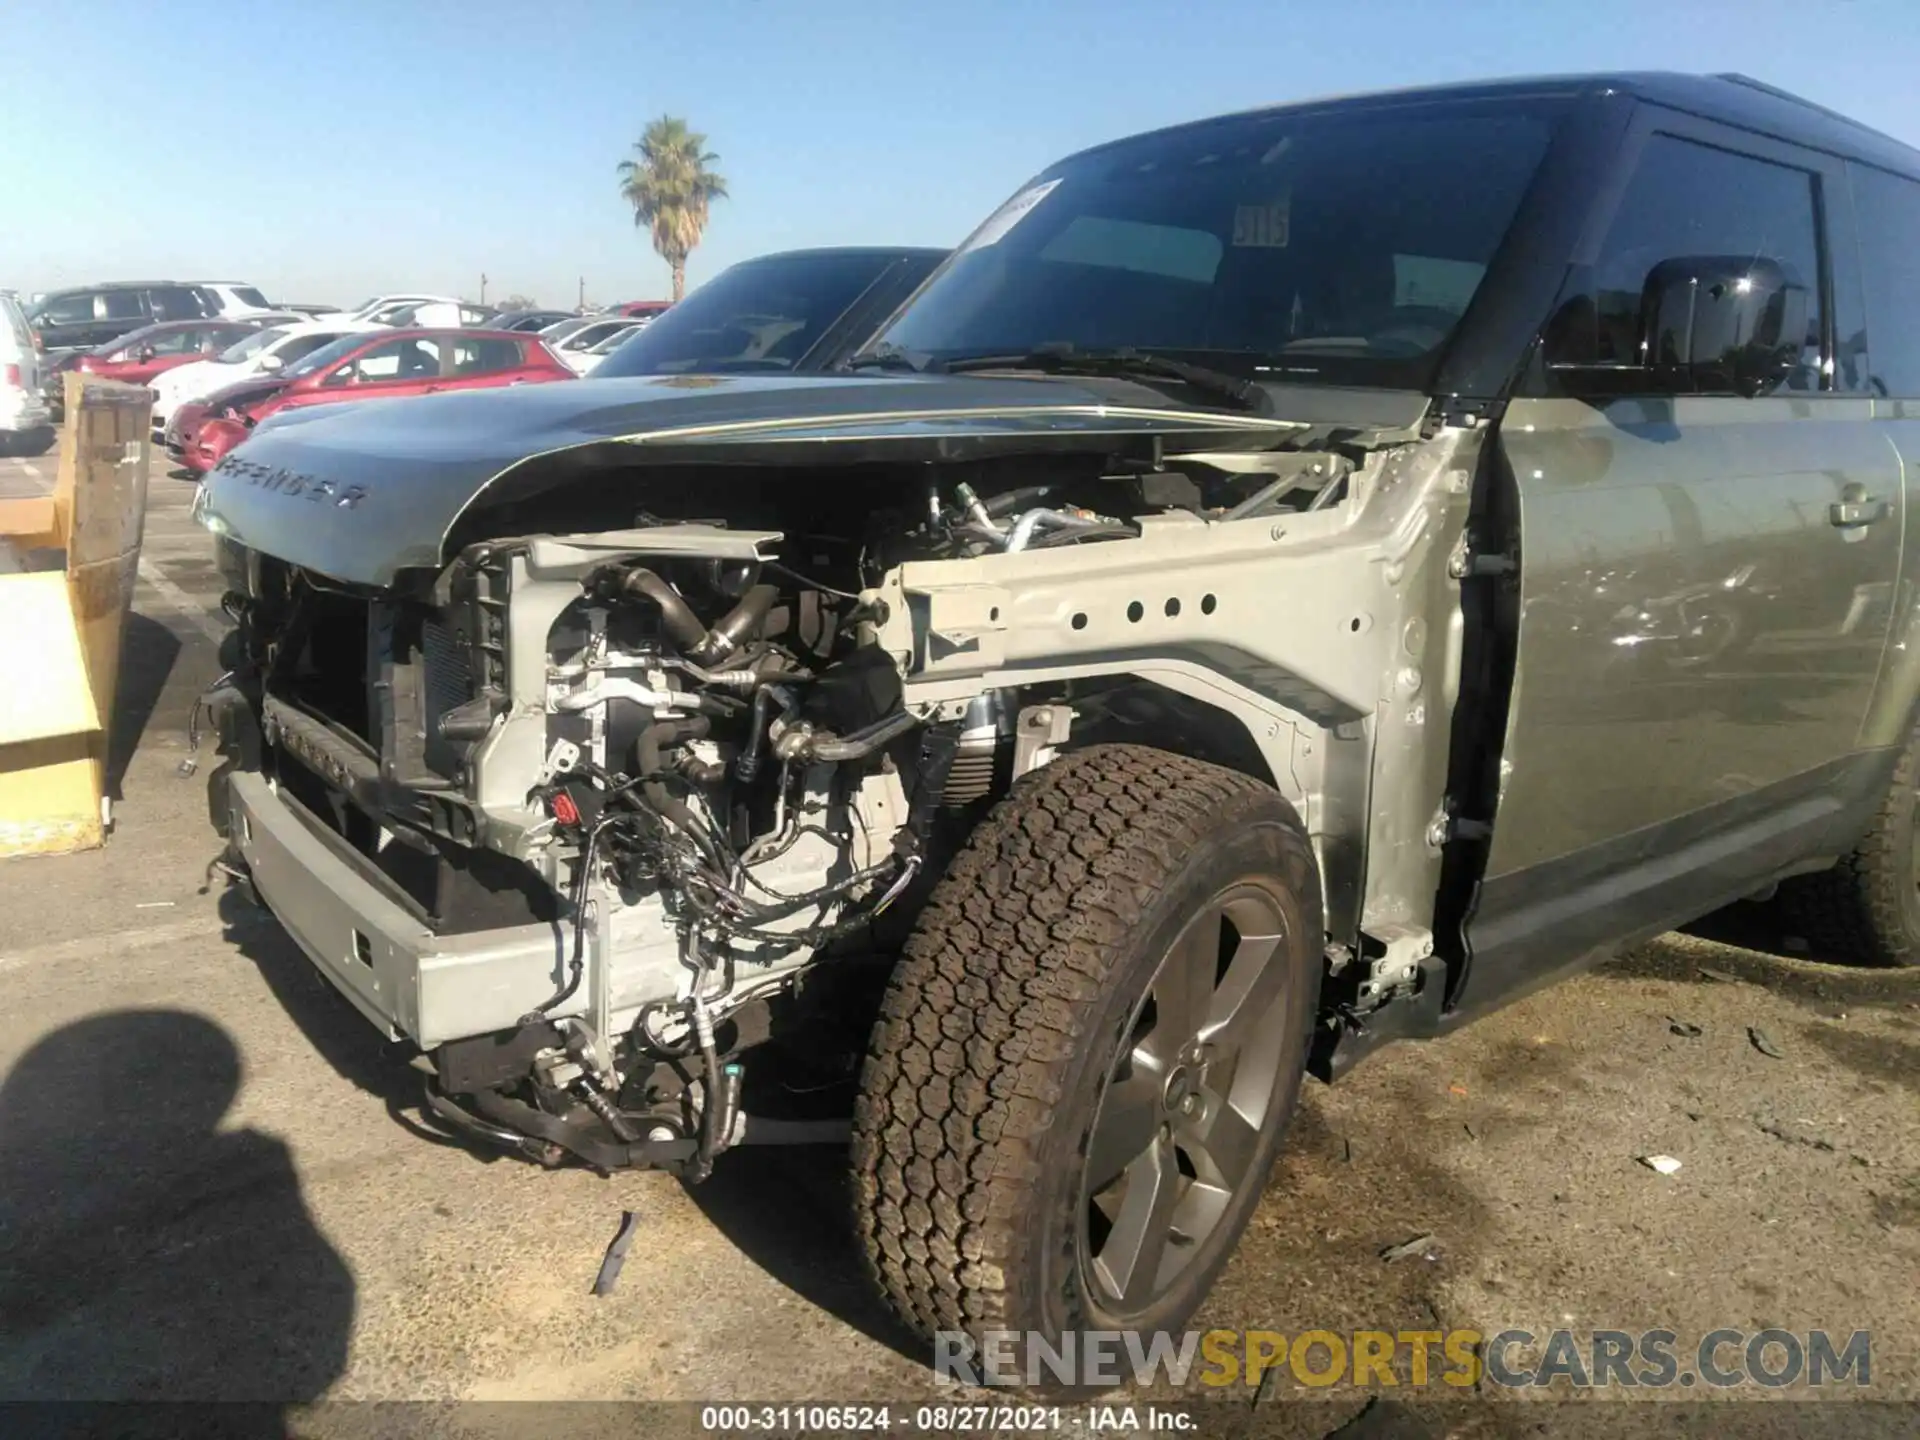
148,650
150,1255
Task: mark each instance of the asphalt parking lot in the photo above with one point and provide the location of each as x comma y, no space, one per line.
214,1182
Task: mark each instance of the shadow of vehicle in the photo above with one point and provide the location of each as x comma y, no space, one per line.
788,1209
151,1255
341,1035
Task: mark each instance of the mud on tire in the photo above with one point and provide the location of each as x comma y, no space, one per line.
1010,1007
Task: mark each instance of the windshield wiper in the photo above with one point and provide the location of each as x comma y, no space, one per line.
884,356
1128,363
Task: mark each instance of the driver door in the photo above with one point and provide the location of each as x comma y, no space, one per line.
1704,581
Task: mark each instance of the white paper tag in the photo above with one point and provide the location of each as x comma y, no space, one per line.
1011,214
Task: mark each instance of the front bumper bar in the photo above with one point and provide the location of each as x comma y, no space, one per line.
403,977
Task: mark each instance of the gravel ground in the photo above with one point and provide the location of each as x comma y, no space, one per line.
214,1184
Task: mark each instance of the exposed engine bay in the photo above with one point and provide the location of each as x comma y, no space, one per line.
680,762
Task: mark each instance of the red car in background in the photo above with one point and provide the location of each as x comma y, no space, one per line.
139,355
644,309
373,365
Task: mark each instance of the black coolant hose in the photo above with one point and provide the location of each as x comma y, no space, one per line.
703,646
737,625
675,614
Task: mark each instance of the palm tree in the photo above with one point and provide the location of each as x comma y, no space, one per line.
670,187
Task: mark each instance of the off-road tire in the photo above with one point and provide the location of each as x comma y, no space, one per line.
1866,909
1006,1013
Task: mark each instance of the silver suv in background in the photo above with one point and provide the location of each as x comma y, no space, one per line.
25,425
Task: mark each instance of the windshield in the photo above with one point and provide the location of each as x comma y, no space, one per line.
317,360
762,315
1337,247
251,346
613,341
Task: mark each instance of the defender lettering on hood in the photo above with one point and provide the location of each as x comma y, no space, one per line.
278,480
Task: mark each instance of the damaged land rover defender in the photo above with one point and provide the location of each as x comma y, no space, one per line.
1287,582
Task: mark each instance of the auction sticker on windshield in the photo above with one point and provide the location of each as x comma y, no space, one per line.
1266,226
1011,214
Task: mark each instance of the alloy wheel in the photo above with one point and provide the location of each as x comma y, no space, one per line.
1187,1102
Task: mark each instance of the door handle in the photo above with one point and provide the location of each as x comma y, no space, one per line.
1852,514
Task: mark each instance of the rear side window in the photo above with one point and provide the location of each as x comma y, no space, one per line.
1687,199
176,302
66,310
16,322
120,305
482,357
1888,216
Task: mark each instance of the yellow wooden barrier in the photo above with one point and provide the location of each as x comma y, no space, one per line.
60,629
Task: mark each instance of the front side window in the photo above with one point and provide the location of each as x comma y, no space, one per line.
411,358
1339,246
247,295
1688,201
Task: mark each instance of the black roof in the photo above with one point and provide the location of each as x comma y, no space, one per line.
123,285
1736,100
875,252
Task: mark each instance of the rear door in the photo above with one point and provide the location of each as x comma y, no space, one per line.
116,313
1702,605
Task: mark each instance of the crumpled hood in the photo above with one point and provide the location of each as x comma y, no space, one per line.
361,492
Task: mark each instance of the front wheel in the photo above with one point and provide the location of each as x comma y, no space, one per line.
1088,1054
1866,909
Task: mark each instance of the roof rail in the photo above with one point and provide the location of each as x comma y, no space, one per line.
1735,78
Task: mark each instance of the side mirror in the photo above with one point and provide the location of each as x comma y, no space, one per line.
271,362
147,352
1719,323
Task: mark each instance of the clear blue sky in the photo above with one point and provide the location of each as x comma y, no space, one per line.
328,149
